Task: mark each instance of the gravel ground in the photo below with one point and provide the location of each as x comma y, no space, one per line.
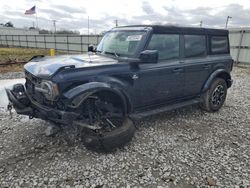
183,148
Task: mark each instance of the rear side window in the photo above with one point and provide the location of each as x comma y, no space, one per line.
195,45
166,44
219,44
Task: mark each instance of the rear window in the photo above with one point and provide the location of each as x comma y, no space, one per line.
219,44
195,45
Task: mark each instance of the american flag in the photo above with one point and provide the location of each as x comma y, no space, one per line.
31,11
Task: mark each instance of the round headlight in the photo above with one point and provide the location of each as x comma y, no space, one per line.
50,90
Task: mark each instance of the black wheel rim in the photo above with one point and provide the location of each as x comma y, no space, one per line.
110,123
218,95
103,116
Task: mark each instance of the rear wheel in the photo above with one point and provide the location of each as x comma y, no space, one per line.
105,126
215,96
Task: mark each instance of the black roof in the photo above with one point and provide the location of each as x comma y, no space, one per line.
181,30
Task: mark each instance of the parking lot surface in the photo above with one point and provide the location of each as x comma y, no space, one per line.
182,148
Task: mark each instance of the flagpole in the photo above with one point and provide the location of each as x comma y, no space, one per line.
36,20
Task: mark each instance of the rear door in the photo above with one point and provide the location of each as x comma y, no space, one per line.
196,62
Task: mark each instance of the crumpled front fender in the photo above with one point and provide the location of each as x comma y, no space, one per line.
80,93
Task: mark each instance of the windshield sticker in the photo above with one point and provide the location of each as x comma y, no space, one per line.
134,38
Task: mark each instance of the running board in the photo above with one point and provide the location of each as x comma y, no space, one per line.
144,114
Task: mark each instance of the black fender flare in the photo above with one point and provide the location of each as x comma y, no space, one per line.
77,95
219,73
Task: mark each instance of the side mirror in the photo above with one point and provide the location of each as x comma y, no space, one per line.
149,56
91,48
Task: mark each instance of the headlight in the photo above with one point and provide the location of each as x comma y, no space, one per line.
49,89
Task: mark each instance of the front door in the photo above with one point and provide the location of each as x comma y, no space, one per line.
161,82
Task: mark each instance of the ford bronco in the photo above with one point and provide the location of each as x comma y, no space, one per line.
134,72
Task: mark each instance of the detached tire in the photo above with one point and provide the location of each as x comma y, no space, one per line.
109,141
215,96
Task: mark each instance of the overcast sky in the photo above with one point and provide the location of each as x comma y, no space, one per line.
73,14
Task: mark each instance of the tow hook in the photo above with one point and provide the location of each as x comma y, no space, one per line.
9,108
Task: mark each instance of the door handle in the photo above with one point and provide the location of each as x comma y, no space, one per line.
178,70
206,66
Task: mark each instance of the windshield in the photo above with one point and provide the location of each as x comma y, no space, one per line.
119,43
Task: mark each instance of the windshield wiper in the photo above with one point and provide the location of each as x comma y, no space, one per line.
116,54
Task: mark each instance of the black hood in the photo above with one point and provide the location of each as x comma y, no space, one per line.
47,66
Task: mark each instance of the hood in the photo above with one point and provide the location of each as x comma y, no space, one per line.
47,66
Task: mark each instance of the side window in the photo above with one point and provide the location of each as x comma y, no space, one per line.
195,45
166,44
219,44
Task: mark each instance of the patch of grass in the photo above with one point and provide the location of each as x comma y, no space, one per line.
20,54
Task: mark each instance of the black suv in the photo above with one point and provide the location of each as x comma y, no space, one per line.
135,71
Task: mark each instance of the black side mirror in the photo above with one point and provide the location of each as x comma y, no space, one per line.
149,56
91,48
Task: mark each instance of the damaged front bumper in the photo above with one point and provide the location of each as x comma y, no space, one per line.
25,105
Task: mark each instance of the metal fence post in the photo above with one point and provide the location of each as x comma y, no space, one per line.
45,46
12,41
27,45
55,40
81,44
239,47
1,40
68,43
6,38
19,40
35,41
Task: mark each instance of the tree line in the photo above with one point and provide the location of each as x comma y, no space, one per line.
43,31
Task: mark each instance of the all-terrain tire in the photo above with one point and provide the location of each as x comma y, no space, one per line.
214,98
109,141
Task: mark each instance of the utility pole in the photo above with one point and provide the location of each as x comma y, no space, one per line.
36,21
88,30
201,23
54,24
228,17
116,23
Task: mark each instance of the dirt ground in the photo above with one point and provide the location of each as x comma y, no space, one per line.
183,148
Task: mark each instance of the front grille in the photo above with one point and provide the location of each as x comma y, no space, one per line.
32,78
31,82
30,88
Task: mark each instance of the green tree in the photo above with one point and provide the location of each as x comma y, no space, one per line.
9,24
